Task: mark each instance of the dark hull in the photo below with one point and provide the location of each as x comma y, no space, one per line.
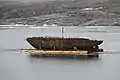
60,43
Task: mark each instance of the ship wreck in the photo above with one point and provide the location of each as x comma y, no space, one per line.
64,46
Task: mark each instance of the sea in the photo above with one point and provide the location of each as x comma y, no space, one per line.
15,65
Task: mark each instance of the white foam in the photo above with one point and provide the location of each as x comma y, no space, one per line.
87,8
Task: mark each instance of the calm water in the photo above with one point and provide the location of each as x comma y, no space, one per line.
17,66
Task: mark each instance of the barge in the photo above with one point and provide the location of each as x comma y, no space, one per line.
63,47
64,43
61,54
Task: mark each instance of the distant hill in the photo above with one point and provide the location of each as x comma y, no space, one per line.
68,12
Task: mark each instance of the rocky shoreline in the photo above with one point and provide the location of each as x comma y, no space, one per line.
62,13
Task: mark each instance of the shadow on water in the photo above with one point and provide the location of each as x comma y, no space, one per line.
34,59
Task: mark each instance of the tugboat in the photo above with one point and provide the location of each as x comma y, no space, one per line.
48,46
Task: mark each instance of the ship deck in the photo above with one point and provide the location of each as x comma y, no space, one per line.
60,54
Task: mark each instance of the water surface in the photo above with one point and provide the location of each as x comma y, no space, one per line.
17,66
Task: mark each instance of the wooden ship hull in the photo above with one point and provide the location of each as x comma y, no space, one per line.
64,47
60,43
